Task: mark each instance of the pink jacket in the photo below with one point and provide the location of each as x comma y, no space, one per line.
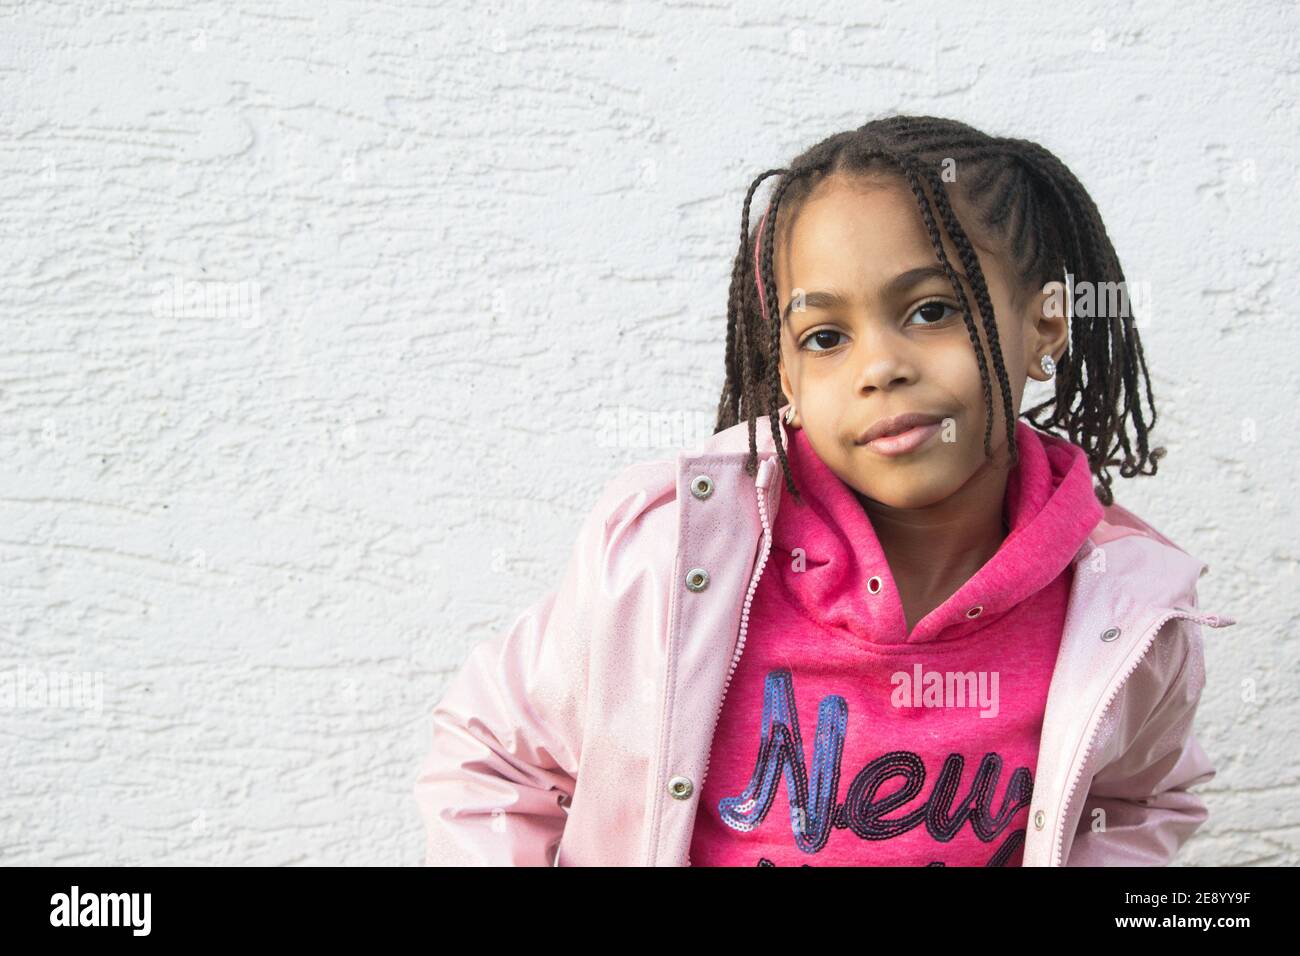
580,736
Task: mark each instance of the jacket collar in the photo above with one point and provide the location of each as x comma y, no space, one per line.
1173,586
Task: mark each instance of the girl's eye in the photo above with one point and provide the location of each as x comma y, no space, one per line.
934,311
818,337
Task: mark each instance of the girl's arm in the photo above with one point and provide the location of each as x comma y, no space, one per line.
506,739
508,731
1149,810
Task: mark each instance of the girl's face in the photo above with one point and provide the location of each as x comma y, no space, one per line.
875,338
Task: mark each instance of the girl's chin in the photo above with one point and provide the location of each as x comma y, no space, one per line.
906,494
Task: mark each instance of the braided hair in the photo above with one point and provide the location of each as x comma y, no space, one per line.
1022,195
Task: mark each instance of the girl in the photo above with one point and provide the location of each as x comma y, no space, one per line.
898,625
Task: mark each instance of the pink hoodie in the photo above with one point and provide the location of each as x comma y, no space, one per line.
828,637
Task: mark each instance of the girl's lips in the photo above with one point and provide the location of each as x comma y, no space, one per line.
906,441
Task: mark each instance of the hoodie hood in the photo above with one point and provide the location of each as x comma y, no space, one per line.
1051,509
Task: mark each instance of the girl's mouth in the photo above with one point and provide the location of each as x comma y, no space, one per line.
904,442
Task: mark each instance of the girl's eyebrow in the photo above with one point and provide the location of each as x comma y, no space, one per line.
823,299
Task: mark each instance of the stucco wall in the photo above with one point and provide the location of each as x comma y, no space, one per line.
440,252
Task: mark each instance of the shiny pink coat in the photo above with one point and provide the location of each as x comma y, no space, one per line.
580,736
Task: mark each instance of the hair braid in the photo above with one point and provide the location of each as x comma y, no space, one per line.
959,291
1113,356
729,406
768,279
970,263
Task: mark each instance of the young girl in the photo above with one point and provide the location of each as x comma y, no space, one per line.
896,626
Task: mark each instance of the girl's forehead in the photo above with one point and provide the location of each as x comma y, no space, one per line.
866,233
874,224
885,214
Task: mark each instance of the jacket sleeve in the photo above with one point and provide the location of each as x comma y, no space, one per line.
1145,791
507,734
494,787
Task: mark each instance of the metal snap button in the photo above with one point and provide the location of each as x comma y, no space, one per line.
873,584
701,486
1039,818
681,788
697,579
1110,634
976,611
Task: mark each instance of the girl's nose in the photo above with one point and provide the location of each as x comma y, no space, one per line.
884,362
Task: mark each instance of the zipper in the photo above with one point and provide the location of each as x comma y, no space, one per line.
744,622
1148,640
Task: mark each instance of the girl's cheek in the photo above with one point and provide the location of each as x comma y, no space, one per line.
956,372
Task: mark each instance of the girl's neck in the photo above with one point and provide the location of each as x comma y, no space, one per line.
933,551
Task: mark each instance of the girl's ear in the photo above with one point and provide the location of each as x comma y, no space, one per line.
786,388
1051,302
788,392
1050,327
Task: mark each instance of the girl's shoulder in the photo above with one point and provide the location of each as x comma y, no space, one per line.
1153,563
1118,521
656,482
632,519
639,509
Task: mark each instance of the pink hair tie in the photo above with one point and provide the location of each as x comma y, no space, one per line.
758,242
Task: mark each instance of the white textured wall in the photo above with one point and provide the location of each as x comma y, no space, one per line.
461,240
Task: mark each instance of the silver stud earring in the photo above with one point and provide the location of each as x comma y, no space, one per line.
789,415
1049,367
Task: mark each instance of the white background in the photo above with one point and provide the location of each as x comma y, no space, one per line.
469,236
